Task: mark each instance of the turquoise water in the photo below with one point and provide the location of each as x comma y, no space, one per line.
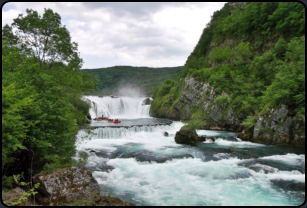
137,163
143,166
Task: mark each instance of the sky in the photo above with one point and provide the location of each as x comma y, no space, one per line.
152,34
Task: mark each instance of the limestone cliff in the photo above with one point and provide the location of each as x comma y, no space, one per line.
246,74
200,101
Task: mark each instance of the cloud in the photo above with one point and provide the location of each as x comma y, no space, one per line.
156,34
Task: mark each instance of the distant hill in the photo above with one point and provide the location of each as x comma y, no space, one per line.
143,79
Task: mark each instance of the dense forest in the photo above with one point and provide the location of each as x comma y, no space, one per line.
41,89
254,52
112,79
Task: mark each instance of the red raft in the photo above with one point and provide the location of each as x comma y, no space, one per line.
116,121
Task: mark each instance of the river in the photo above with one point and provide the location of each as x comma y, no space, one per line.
136,162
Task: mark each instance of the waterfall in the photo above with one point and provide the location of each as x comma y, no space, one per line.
139,163
122,107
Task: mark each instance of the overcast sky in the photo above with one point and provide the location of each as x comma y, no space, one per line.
155,34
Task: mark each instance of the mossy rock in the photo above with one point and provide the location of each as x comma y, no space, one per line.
186,135
68,186
112,201
13,196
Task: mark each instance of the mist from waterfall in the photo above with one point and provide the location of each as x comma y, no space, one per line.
121,107
139,161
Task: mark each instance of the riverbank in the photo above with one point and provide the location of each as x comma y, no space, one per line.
73,186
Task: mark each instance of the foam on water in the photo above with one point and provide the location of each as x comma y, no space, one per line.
190,182
238,144
212,133
289,158
151,137
187,181
146,179
208,141
122,107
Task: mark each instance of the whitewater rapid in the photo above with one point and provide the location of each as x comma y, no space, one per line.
121,107
141,165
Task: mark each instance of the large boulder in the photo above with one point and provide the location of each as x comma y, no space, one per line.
186,136
66,186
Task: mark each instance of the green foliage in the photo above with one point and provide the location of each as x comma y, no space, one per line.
250,121
44,38
55,163
221,100
194,124
288,86
220,55
243,53
41,91
255,54
26,194
112,79
265,18
289,17
83,157
7,182
256,23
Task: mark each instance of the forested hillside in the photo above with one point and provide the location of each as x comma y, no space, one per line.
248,63
111,79
41,89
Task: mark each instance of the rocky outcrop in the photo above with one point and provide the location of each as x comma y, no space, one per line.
186,136
66,186
277,127
199,95
198,99
11,198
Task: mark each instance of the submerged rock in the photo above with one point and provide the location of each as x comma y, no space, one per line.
166,134
66,186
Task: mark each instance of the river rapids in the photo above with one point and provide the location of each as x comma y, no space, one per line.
137,161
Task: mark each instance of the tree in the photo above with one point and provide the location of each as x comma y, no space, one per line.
42,87
43,38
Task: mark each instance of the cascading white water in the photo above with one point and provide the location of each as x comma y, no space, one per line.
142,165
122,107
